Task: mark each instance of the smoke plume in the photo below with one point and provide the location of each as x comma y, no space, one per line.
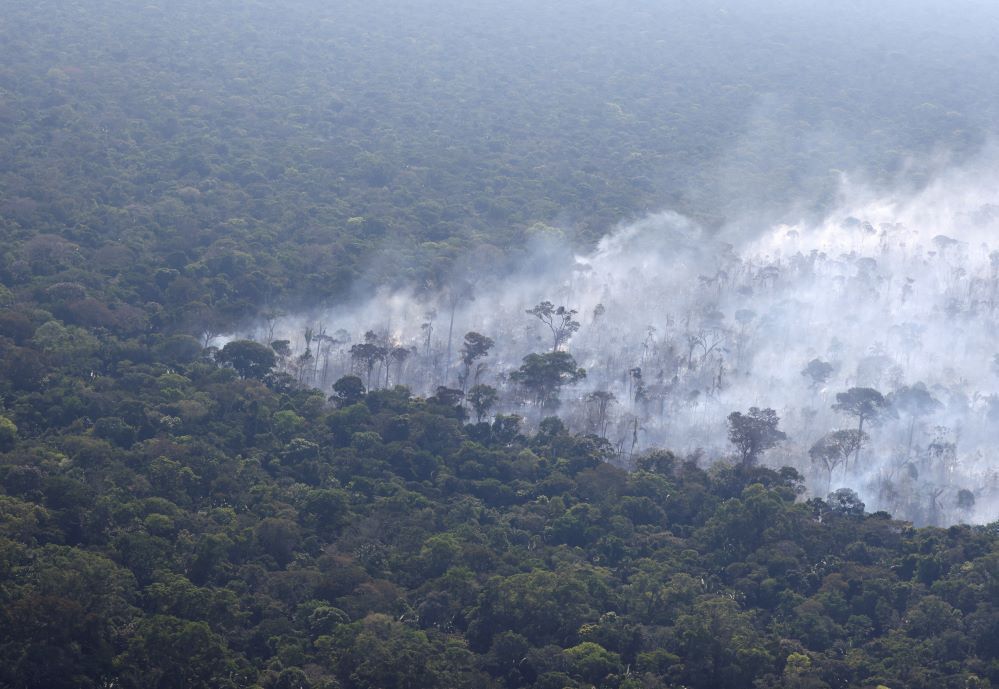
683,326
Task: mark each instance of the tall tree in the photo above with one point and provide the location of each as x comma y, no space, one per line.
475,347
598,403
458,291
818,373
482,398
368,353
866,404
754,432
560,320
347,391
835,448
544,376
399,355
250,359
913,402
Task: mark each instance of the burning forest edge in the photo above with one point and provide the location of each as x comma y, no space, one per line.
868,338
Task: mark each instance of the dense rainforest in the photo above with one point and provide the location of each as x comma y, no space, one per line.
169,523
180,515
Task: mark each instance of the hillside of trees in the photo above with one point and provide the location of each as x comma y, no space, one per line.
169,522
182,508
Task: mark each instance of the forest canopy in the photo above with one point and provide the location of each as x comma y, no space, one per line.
185,506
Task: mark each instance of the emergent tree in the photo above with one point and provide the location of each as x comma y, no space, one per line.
754,433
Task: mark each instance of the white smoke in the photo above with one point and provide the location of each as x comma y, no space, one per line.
891,291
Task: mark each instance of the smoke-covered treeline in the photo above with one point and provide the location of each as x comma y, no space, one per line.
676,328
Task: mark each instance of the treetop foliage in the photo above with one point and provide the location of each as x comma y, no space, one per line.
175,514
207,529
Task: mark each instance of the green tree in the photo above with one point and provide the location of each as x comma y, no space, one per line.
279,538
63,613
169,653
592,662
475,347
719,644
544,606
380,652
544,376
67,345
754,433
347,391
482,398
8,434
250,359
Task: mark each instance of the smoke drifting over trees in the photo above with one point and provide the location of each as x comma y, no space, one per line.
498,345
871,336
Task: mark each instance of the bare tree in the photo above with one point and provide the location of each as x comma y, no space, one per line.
598,404
560,320
457,292
867,404
399,355
914,402
367,354
833,449
428,330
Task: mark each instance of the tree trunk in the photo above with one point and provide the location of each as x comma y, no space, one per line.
450,334
860,441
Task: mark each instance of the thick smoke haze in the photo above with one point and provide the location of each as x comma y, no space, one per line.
684,326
